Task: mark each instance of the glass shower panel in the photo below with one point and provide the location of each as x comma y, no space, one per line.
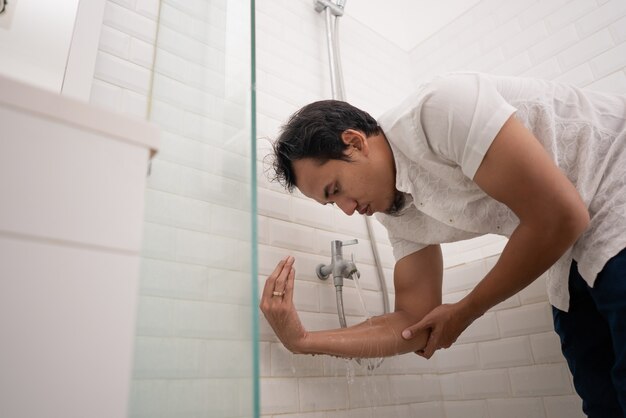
194,349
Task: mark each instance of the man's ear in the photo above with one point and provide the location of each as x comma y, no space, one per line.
355,140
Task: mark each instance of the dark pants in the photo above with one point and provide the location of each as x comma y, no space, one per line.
593,338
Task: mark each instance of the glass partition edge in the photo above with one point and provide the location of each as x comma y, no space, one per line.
254,262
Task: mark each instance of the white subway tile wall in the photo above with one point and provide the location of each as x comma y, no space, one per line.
507,364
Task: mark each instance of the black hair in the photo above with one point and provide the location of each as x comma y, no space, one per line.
315,132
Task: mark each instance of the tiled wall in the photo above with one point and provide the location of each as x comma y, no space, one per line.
292,71
125,56
581,42
507,362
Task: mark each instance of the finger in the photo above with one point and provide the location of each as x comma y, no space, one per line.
411,331
279,267
281,280
290,285
271,279
420,353
431,345
267,289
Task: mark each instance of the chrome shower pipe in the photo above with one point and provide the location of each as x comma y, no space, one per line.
341,92
337,86
332,12
340,312
379,268
331,53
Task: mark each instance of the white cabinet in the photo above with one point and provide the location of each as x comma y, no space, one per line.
72,181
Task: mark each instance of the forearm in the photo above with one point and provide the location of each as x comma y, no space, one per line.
530,251
377,337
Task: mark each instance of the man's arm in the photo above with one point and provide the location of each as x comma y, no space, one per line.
417,281
518,172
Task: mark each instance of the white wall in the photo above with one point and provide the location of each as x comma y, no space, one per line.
51,46
125,56
292,71
36,56
581,42
508,362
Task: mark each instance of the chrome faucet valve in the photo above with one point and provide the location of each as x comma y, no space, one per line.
338,267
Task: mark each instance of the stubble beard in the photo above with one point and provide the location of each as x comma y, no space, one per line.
397,205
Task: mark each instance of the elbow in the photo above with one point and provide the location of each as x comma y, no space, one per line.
418,339
559,228
572,224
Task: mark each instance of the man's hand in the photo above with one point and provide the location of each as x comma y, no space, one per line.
445,323
277,305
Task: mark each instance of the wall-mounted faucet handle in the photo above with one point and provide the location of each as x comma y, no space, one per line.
338,267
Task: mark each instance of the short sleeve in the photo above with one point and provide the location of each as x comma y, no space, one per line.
461,117
397,227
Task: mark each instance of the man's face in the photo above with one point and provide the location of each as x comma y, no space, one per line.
366,184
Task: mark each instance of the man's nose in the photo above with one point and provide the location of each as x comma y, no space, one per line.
348,206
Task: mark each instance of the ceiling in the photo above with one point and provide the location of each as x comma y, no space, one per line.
406,22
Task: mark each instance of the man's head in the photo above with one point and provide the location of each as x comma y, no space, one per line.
315,132
335,153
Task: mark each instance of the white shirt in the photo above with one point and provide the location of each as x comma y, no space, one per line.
440,134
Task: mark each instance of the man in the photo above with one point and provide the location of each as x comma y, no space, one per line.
468,154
